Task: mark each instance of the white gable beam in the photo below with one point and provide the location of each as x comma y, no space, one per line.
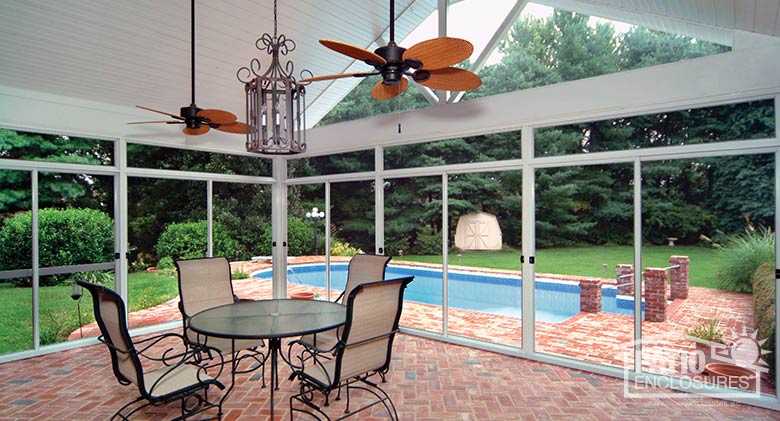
722,78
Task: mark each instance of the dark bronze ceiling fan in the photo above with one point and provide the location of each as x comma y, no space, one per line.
198,121
428,63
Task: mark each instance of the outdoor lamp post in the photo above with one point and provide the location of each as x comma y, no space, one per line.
315,215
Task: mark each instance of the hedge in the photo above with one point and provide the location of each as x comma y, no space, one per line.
764,311
66,237
188,240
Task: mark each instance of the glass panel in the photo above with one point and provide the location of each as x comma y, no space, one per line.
55,148
547,46
76,226
413,225
484,279
332,164
66,309
584,238
166,221
708,235
15,235
747,120
482,148
242,222
352,218
306,271
157,157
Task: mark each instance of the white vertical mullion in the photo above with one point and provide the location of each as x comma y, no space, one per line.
210,219
528,240
637,265
379,202
279,227
327,239
445,222
777,243
442,7
36,319
121,220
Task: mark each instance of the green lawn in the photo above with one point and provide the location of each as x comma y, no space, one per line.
59,314
589,260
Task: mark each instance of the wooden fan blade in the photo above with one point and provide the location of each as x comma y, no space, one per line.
235,127
382,91
195,132
161,112
150,122
452,79
336,76
353,51
439,53
217,116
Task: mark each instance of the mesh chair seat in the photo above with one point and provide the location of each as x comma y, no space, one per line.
362,268
206,283
179,378
363,350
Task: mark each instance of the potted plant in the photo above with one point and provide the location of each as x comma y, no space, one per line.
709,340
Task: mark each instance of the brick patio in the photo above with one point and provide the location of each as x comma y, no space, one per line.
429,381
601,338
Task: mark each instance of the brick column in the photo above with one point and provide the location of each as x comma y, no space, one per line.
590,295
628,288
678,278
655,294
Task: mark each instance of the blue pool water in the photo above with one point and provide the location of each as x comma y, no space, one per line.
556,301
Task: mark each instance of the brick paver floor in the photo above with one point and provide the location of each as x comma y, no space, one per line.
429,381
600,338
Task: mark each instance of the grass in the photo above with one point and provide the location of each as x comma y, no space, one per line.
58,311
589,260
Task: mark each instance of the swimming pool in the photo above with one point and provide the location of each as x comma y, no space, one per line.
556,300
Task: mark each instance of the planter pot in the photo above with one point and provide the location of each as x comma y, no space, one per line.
302,295
730,375
707,354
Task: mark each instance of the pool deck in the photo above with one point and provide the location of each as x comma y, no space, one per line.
602,338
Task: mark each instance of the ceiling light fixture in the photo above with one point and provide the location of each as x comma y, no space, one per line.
275,101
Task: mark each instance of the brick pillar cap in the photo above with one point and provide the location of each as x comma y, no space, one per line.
678,257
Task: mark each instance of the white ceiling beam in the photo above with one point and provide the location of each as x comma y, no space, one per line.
443,5
700,82
509,20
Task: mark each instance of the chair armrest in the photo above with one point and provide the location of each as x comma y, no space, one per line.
241,300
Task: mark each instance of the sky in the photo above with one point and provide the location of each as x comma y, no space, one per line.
471,20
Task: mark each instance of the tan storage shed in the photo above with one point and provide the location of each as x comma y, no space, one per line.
478,231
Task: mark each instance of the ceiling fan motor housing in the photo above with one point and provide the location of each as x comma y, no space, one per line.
394,68
190,115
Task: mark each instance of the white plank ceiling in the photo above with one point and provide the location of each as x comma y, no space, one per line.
123,53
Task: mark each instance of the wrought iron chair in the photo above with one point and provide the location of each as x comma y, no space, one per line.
362,268
363,351
177,375
206,283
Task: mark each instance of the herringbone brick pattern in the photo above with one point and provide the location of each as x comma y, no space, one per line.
602,338
429,380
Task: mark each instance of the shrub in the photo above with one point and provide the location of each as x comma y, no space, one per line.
66,237
299,238
188,240
764,311
707,329
166,266
428,242
337,248
742,255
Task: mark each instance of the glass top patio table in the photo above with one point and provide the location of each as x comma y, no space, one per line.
269,319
